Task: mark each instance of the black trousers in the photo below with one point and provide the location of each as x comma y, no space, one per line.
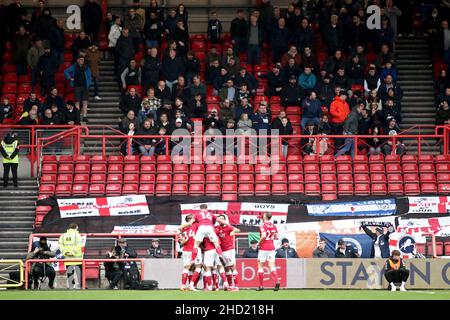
396,275
41,270
114,277
10,166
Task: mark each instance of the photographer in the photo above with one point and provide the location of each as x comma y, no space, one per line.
155,250
130,269
41,250
114,270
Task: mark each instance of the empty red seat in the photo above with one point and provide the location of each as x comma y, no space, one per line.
441,158
410,168
345,178
294,159
328,178
147,189
311,167
409,158
196,189
213,168
395,178
63,190
147,178
377,178
148,168
295,178
262,189
392,158
329,188
229,188
49,178
412,189
362,189
181,168
410,177
229,178
164,178
279,178
97,189
131,178
295,168
262,178
395,189
312,189
262,168
443,167
360,158
131,168
82,168
164,159
98,168
115,159
180,178
296,188
327,158
246,178
98,178
163,189
344,168
360,168
426,168
81,178
345,189
443,177
180,189
361,178
80,189
197,178
393,168
130,188
148,159
164,168
429,188
426,158
81,158
376,158
427,178
212,189
47,189
327,168
344,159
279,189
246,189
65,178
49,159
114,178
376,168
312,178
65,168
378,189
444,188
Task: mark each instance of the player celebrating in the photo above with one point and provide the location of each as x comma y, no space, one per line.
211,260
206,221
268,232
187,234
226,233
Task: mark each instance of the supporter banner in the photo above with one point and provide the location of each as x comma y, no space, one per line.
429,205
359,242
405,243
241,213
54,246
383,207
103,207
426,225
161,228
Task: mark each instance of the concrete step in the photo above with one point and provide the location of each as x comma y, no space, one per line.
13,255
14,234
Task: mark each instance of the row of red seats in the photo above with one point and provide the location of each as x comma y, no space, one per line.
442,248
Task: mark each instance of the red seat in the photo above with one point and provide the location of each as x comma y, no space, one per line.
362,189
49,178
262,178
246,178
311,167
262,189
377,178
130,188
328,178
97,159
327,168
163,178
361,178
441,158
147,189
410,177
148,159
147,178
429,188
164,168
148,168
312,178
49,159
394,178
279,189
427,178
376,158
115,159
295,168
409,158
197,178
246,189
131,159
443,177
279,178
410,168
262,168
327,158
412,189
444,188
296,188
163,189
344,168
378,189
114,178
164,159
392,158
65,168
65,159
47,189
63,190
131,178
181,167
443,167
98,168
229,188
312,189
81,178
294,159
229,168
98,178
97,189
393,168
213,178
329,188
395,189
345,189
344,159
180,178
212,189
376,168
131,168
80,189
65,178
80,158
180,189
426,158
197,168
246,168
345,178
196,189
82,168
360,168
213,168
426,168
229,178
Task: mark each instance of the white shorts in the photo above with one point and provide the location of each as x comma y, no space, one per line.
230,256
206,232
266,255
211,258
187,258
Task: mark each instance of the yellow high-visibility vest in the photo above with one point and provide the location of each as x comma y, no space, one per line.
9,149
70,245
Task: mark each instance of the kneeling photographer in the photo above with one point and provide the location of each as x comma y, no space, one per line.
41,250
116,270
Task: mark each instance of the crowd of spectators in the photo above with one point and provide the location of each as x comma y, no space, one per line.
340,75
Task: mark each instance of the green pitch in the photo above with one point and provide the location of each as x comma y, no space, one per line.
221,295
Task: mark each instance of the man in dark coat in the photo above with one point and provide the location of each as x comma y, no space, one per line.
47,67
151,69
91,16
58,41
124,50
380,242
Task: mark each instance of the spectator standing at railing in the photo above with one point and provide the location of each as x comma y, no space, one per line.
70,245
351,128
153,31
124,124
91,16
41,250
181,36
284,127
170,23
81,43
114,34
321,251
311,110
9,149
393,129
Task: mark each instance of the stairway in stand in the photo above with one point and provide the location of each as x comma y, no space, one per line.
105,111
17,215
415,76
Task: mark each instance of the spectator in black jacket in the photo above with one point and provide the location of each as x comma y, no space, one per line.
335,62
197,106
334,34
130,101
355,34
71,114
304,36
54,98
30,101
380,242
325,91
131,75
276,81
252,251
248,79
345,250
82,42
153,30
321,252
181,37
58,41
443,114
261,118
280,37
292,94
172,67
125,50
6,110
284,128
355,71
311,110
395,271
47,67
254,41
91,16
291,69
286,251
191,66
162,92
147,145
151,69
238,32
170,23
214,28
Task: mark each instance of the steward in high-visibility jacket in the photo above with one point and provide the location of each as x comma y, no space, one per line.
9,150
70,245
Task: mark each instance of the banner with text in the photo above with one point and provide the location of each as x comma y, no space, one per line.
103,207
241,213
383,207
360,243
429,204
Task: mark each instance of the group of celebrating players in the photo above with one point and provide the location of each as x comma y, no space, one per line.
209,246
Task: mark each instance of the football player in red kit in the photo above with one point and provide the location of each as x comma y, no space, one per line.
268,233
187,234
211,261
206,221
226,233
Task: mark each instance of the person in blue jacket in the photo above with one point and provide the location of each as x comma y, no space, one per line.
307,80
80,79
380,242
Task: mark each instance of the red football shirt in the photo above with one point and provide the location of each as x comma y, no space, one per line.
270,229
205,218
189,233
225,238
208,245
